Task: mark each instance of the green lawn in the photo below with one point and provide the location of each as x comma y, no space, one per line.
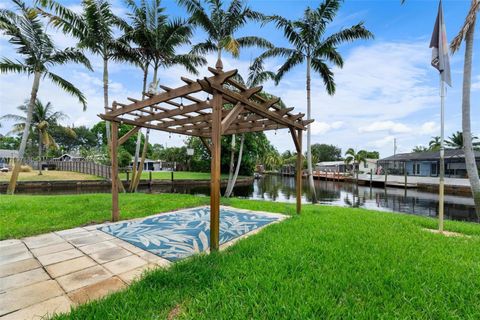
177,175
330,262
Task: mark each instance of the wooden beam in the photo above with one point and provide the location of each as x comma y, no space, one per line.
206,144
175,112
295,139
298,177
114,174
255,107
231,117
127,135
215,172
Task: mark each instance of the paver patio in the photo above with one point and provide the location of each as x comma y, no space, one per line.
50,273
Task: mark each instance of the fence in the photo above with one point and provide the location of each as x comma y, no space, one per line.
86,167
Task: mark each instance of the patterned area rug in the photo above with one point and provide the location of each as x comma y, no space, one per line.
179,234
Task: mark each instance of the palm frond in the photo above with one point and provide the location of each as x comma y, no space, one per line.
469,23
7,65
70,55
327,75
68,87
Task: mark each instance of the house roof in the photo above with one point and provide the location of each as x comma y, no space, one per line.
5,153
428,155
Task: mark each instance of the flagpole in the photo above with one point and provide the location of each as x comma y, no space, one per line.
441,188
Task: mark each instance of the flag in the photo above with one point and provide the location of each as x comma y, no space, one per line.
439,45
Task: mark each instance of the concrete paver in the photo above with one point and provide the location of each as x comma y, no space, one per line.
65,267
18,267
23,279
59,256
97,290
48,308
83,278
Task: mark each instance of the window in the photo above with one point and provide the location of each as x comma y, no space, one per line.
416,168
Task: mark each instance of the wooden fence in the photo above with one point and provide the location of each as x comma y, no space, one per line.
86,167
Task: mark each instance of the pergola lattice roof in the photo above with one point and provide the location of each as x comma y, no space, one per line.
186,110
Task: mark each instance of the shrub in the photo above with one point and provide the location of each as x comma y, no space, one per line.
26,169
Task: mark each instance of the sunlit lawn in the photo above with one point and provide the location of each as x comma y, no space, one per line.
328,263
48,176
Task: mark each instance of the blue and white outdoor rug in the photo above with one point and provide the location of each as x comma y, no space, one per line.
179,234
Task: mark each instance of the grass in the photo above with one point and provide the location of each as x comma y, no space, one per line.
48,176
329,262
177,175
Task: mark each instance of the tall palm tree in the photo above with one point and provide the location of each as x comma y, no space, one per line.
221,25
456,141
310,45
467,33
355,158
27,33
95,28
157,40
44,118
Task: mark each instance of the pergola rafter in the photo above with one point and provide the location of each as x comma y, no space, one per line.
233,109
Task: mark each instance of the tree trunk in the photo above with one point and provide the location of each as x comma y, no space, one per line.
142,162
229,190
466,125
39,153
139,135
309,149
232,165
26,131
105,97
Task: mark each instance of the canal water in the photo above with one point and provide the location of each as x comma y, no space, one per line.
282,189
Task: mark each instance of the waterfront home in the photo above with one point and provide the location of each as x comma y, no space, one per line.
341,166
6,157
69,157
427,164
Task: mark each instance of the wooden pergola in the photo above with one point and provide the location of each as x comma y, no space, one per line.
189,110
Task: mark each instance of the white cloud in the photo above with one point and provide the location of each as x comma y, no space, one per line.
324,127
476,83
380,143
391,126
429,127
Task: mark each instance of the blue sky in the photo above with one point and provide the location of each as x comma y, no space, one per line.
386,90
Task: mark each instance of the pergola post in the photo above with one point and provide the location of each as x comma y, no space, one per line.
215,172
114,175
298,177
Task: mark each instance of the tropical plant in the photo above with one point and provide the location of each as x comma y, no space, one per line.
355,158
467,34
157,41
420,149
221,25
310,45
434,144
96,28
455,141
44,119
27,33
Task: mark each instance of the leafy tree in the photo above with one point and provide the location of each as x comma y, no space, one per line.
25,30
326,152
43,119
310,45
371,154
84,138
9,143
455,141
355,158
96,28
434,144
467,34
420,149
99,130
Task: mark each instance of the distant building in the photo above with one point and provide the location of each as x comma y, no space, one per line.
69,157
427,164
341,166
6,156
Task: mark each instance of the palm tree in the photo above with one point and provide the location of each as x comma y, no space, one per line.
221,26
253,80
310,45
467,33
95,27
356,158
43,119
456,141
419,149
27,33
434,144
157,40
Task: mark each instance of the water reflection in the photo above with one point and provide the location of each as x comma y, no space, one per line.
278,188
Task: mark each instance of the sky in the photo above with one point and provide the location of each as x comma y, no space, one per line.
386,90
